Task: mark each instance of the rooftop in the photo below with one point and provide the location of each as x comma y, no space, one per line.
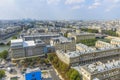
41,35
85,47
102,67
17,41
118,40
83,33
82,45
32,70
105,44
62,39
28,43
87,50
96,79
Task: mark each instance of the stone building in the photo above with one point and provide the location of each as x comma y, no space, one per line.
81,36
101,71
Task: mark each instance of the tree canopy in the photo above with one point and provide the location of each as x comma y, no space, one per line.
111,33
2,73
66,72
14,37
88,42
89,30
4,54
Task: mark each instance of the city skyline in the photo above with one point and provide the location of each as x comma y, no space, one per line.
60,9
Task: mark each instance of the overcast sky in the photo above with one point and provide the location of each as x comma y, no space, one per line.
60,9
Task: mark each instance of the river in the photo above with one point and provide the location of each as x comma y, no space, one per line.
6,47
3,47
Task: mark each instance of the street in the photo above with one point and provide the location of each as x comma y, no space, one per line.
54,75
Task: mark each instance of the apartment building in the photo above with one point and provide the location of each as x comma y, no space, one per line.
109,70
22,49
101,44
63,43
115,42
82,47
88,55
118,32
81,36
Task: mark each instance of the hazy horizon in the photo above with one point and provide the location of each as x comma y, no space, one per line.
60,9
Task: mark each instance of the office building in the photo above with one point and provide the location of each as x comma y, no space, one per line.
21,49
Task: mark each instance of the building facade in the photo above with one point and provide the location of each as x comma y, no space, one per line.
101,44
115,42
81,36
44,37
62,43
101,71
22,49
88,55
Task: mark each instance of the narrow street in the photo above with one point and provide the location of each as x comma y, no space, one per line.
54,74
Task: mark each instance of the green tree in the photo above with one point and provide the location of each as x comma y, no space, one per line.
1,43
14,37
111,33
50,57
65,34
2,73
89,30
88,42
64,67
70,72
75,75
4,54
9,43
66,72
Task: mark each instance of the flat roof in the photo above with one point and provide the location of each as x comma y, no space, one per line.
118,40
17,41
28,43
41,35
86,51
32,70
62,39
99,67
33,74
82,33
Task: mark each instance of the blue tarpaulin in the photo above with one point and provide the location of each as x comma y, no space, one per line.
33,76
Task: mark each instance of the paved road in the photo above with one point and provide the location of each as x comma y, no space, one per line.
54,74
